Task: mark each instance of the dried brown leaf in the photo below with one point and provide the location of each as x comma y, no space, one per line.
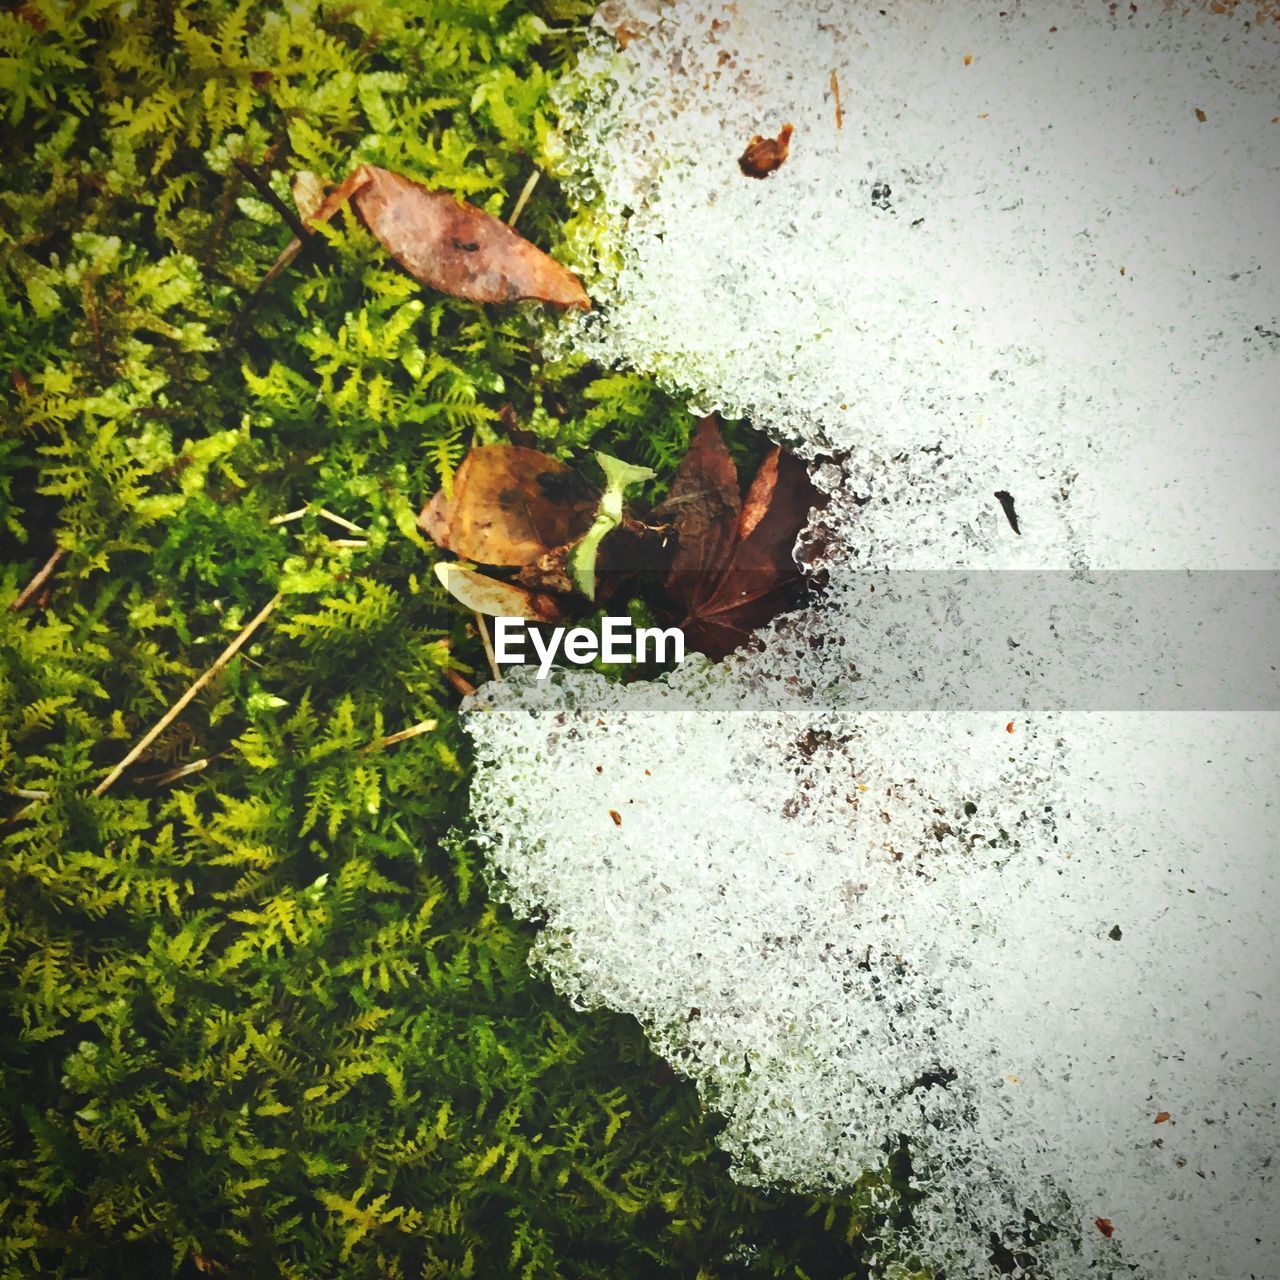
447,244
760,495
510,506
762,575
433,519
459,249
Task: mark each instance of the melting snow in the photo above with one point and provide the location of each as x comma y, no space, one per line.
1039,257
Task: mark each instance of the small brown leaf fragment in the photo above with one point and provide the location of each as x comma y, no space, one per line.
1161,1117
549,572
1005,499
835,91
1104,1225
616,816
28,13
626,22
968,59
1200,115
756,504
459,249
764,155
510,506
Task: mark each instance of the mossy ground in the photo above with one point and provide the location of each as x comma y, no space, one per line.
261,1019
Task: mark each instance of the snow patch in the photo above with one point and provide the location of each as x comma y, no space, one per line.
1016,936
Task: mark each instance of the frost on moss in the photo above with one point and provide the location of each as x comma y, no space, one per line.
1036,255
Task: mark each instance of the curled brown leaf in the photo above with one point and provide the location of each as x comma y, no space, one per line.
447,244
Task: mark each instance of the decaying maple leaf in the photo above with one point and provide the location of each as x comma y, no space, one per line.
764,155
447,244
510,506
734,569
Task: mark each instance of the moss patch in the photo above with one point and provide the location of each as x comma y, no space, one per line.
258,1016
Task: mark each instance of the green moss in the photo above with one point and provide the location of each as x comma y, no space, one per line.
260,1019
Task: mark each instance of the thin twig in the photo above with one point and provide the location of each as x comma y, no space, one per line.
342,522
423,726
488,646
181,771
38,581
348,542
523,198
22,813
459,681
267,192
174,711
232,188
304,241
29,793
